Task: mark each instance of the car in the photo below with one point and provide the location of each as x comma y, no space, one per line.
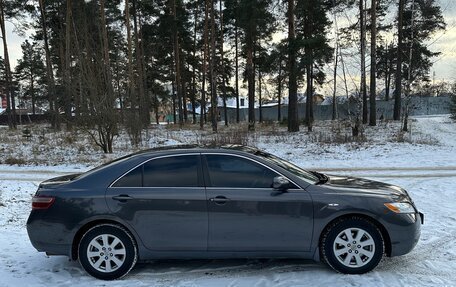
197,202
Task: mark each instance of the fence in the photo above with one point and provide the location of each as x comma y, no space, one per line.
417,106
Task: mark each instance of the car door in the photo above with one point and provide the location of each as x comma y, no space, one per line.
164,200
245,215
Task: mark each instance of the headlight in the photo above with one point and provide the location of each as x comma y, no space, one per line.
400,207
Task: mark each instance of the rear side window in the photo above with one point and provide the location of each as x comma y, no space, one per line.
131,179
237,172
176,171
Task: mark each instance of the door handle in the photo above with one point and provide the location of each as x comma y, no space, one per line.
122,197
219,199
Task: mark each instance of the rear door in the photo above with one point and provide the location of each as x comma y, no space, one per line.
243,213
164,200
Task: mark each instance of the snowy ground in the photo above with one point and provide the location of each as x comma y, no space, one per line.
425,165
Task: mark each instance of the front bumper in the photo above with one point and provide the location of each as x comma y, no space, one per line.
405,233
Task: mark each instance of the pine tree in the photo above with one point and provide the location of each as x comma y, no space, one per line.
29,71
418,20
256,22
315,47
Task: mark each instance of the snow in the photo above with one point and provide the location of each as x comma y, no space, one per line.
426,167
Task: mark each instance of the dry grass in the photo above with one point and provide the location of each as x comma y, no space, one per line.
48,147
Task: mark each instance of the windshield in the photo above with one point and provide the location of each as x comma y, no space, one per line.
288,166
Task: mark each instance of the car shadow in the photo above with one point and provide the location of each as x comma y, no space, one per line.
224,266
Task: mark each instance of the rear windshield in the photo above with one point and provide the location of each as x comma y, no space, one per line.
109,163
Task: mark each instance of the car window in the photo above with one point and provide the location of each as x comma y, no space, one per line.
175,171
288,166
237,172
131,179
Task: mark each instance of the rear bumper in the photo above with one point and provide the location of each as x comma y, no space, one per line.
405,233
51,238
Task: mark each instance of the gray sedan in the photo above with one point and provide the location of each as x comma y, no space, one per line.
229,202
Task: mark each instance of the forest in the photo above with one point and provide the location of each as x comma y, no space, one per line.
103,65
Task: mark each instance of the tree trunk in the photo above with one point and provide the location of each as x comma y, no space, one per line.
193,97
236,56
309,97
260,100
279,91
177,63
363,87
409,73
373,70
10,106
309,73
214,110
334,103
131,80
67,76
32,88
225,110
174,102
398,82
143,108
184,94
205,52
107,69
387,73
293,118
54,110
251,83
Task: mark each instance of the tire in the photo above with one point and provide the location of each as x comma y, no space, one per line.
352,245
107,252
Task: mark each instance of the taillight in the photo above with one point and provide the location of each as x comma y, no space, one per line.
42,202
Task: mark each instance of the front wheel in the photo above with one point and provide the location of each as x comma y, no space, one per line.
107,252
352,245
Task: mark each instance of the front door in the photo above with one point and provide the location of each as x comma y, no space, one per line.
164,200
245,216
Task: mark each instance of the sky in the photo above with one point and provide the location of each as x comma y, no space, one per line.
444,67
445,64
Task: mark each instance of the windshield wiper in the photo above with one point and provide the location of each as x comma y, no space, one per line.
322,179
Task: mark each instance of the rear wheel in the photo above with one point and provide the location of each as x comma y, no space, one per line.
107,252
352,245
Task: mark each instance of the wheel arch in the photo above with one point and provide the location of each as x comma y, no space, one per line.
87,226
383,230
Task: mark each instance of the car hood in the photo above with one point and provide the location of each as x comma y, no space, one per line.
364,186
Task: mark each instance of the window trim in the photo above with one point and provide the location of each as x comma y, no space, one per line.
206,172
199,172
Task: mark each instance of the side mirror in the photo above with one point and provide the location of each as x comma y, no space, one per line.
280,185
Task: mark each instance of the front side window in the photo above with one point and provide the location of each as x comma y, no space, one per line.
175,171
238,172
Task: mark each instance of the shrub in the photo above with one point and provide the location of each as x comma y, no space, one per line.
15,161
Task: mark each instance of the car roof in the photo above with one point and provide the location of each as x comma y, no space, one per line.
199,148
